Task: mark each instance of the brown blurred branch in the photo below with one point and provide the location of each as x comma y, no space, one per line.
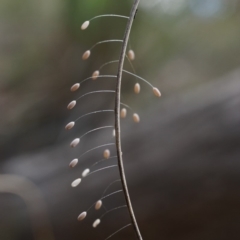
32,197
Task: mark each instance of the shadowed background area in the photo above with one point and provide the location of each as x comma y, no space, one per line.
182,160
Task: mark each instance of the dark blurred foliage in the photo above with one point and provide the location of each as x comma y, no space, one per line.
182,160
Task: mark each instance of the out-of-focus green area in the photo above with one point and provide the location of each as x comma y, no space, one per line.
178,45
186,147
42,44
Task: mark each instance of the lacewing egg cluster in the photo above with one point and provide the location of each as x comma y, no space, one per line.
131,55
98,204
75,87
86,55
156,92
75,142
95,75
82,216
106,153
71,105
85,25
96,223
136,118
73,163
76,182
123,113
69,125
85,172
137,88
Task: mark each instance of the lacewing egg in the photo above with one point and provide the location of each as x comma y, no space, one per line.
85,172
76,182
136,118
98,205
86,55
75,87
73,163
156,92
85,25
106,154
95,75
75,142
71,105
82,216
96,223
137,88
123,113
131,55
69,125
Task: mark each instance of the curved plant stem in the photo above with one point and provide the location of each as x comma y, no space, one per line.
117,118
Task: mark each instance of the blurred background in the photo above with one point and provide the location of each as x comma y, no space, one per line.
182,159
